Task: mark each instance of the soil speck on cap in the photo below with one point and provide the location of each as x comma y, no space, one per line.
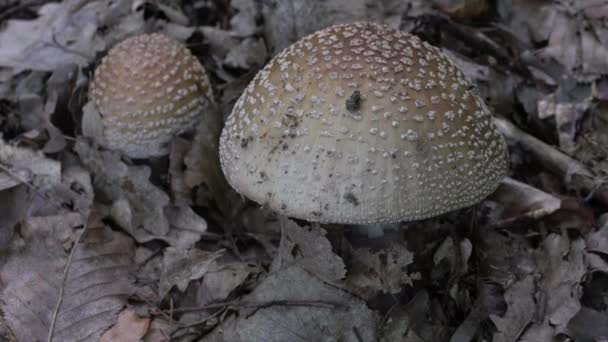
353,103
351,198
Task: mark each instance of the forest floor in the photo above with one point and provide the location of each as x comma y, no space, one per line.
96,246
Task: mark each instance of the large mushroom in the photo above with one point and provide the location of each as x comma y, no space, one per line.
360,123
147,89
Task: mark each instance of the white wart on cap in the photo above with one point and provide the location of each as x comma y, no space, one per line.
148,89
360,123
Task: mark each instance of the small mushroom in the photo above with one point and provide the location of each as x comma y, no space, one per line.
360,123
148,89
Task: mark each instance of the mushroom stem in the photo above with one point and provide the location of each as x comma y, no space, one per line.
555,161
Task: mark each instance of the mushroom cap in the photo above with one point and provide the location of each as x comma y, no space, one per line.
147,89
360,123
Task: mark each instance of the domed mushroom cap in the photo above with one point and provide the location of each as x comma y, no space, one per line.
360,123
148,89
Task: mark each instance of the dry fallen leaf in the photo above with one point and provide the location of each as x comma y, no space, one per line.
20,165
129,328
137,205
520,311
292,304
383,271
180,266
417,321
308,248
40,299
223,277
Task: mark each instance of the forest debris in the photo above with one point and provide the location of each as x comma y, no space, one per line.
97,283
243,23
203,168
250,53
519,200
520,311
223,277
573,32
417,321
187,226
20,165
137,205
13,206
128,328
63,34
289,20
572,171
180,266
293,304
589,326
464,9
561,263
568,116
180,192
309,249
382,271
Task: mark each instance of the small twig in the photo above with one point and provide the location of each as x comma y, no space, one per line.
63,281
170,314
10,172
258,306
555,161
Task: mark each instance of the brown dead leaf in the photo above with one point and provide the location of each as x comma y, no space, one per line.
223,277
37,299
383,270
21,165
180,266
520,311
128,328
308,248
291,304
137,204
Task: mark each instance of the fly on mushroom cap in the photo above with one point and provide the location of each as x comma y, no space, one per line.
146,90
360,123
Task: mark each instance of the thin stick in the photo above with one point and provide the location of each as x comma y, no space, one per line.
556,162
63,281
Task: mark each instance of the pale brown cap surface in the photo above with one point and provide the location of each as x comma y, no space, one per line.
148,89
360,123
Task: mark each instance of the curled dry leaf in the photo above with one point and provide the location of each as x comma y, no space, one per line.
137,205
223,277
63,34
180,266
22,166
292,304
383,270
308,248
562,265
573,32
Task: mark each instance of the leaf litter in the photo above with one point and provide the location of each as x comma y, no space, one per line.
97,246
